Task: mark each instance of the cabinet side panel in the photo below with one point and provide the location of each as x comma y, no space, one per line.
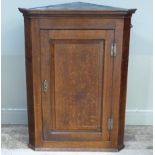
35,40
117,108
29,80
123,87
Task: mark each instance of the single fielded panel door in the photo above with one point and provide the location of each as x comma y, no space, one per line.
76,73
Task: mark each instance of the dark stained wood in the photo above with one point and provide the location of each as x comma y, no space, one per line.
77,22
77,8
74,64
70,47
29,83
123,87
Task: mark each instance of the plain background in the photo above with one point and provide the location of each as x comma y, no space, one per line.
140,79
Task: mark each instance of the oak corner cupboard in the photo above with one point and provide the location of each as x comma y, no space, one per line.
76,71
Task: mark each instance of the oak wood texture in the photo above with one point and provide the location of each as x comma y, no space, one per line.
70,47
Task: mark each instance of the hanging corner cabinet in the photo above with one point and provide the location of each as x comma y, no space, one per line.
76,71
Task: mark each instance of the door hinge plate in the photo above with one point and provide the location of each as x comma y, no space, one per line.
113,49
110,123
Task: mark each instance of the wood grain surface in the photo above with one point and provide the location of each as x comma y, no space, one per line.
85,85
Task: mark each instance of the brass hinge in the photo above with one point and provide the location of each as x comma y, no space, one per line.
110,123
45,85
113,49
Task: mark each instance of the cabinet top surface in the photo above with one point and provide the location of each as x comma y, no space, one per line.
77,7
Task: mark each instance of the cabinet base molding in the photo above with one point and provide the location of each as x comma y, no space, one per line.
77,149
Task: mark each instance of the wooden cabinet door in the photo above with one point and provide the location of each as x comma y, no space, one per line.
76,73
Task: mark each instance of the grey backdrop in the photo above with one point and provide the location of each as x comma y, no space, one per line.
139,94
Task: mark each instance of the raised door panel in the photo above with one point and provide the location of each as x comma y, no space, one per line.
77,68
77,92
